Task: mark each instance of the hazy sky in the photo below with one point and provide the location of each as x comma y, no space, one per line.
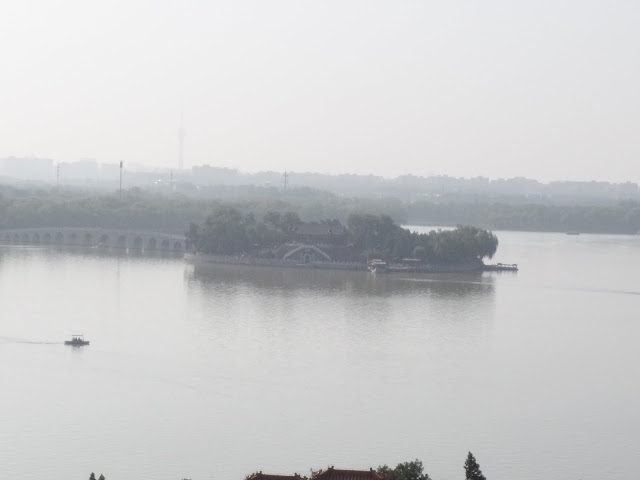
542,89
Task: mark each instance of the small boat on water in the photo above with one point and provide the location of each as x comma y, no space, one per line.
77,341
502,267
378,266
507,267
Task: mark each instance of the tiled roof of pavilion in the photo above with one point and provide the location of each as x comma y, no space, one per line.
335,474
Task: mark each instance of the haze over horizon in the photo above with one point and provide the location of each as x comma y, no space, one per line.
546,90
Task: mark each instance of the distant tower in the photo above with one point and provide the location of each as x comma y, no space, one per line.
181,134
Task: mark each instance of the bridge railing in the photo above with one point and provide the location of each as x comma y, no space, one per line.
96,237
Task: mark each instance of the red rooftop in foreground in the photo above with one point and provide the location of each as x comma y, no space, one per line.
264,476
334,474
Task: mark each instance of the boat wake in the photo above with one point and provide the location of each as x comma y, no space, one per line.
30,342
606,290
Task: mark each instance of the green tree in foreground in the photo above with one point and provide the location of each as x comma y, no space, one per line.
472,469
405,471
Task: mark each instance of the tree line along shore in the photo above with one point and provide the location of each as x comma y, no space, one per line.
154,209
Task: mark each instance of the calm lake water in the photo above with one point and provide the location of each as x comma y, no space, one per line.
219,371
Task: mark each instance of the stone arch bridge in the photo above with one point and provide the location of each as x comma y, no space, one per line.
96,237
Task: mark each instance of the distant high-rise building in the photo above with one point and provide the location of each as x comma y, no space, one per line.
181,135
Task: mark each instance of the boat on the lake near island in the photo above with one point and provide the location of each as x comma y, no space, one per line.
77,341
415,265
378,266
502,267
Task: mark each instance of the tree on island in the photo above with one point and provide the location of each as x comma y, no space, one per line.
93,476
472,469
405,471
379,236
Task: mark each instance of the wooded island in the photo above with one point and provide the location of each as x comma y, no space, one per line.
365,237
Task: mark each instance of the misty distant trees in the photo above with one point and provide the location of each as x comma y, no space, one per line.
620,217
150,209
137,209
172,213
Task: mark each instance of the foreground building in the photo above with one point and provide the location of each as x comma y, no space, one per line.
264,476
330,473
335,474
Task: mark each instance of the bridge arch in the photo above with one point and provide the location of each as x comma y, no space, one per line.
307,253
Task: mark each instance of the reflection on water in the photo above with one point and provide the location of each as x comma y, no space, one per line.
303,308
344,283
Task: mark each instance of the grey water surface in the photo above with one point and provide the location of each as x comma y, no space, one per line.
217,371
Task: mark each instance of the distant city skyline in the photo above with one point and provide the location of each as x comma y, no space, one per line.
541,90
47,170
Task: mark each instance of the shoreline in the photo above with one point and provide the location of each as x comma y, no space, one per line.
196,258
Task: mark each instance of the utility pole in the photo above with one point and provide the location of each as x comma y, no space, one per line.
121,180
58,177
285,175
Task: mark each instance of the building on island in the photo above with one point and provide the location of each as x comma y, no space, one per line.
333,233
315,242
